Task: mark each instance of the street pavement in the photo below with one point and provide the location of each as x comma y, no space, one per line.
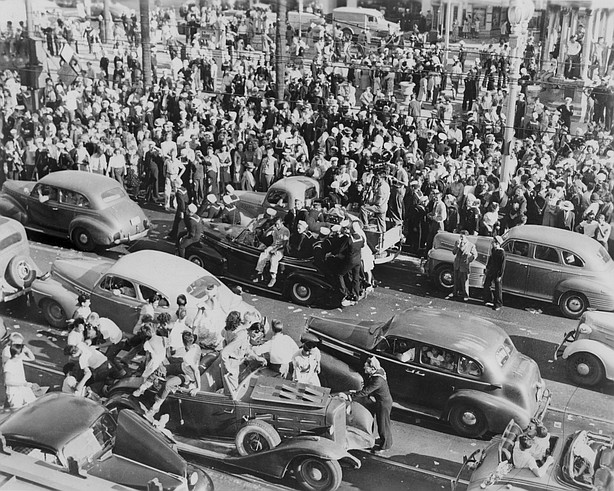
424,449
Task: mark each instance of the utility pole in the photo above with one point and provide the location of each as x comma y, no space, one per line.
448,27
108,21
29,19
280,49
145,42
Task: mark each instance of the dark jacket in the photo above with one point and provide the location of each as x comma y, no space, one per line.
496,263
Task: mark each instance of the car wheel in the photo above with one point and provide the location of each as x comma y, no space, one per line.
585,369
54,313
573,305
20,272
444,277
83,240
467,420
196,259
301,293
256,436
314,474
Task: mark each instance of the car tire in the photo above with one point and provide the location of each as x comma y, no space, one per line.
444,277
54,313
83,240
301,293
316,474
20,272
256,436
585,369
467,420
573,305
196,259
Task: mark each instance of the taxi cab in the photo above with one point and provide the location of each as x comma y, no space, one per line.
589,349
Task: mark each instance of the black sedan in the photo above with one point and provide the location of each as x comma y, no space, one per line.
74,432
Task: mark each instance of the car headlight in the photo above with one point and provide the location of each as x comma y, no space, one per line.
540,391
584,329
331,430
193,479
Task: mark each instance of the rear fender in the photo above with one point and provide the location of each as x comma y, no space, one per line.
498,412
314,281
101,233
595,348
11,208
277,461
51,288
590,289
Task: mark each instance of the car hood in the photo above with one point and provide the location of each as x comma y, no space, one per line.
362,334
84,272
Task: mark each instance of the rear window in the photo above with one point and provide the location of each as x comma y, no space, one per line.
14,238
603,254
503,352
113,194
198,289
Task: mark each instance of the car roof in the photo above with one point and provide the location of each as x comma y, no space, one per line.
468,334
159,270
558,237
304,182
52,420
83,182
357,10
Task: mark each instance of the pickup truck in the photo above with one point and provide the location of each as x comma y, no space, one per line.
281,197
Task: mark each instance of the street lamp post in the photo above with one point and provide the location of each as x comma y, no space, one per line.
519,14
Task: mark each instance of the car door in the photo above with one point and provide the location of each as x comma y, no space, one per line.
206,414
439,380
45,209
516,266
545,271
404,374
118,299
241,256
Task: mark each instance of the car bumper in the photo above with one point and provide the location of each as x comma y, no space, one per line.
8,296
132,238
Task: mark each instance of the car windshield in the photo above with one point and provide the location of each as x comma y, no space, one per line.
198,289
92,442
113,194
503,352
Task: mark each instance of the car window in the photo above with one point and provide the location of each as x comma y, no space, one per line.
147,293
404,350
111,195
45,193
504,351
118,286
517,248
467,366
572,259
278,197
73,198
604,255
311,193
93,441
198,289
437,357
546,253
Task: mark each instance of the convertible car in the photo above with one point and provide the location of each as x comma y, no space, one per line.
276,425
118,289
75,433
461,369
582,460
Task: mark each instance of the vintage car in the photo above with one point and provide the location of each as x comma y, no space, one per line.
568,269
79,434
582,460
461,369
276,425
281,196
17,268
231,253
118,289
589,349
89,209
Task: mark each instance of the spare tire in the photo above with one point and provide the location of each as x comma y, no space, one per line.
20,272
256,436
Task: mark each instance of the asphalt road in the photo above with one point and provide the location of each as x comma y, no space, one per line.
426,454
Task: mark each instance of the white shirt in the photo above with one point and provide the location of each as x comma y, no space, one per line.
110,331
91,358
175,337
522,459
281,349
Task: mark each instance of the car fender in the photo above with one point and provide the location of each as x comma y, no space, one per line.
51,288
102,234
215,262
497,411
314,281
604,353
437,257
277,461
586,286
11,208
338,375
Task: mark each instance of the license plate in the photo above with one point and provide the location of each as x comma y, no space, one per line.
135,221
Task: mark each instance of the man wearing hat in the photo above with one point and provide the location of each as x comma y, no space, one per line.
464,254
230,213
194,226
300,244
210,208
273,253
182,199
379,203
494,273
